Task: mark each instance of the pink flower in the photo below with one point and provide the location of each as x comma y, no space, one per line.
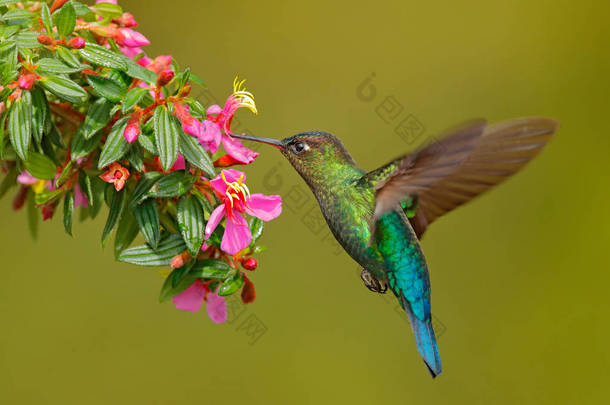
216,128
130,38
236,200
26,178
80,199
160,63
132,130
193,297
116,174
190,125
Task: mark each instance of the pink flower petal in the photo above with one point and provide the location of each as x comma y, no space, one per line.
216,308
26,178
216,216
213,109
80,199
231,175
191,298
131,38
264,207
238,151
209,135
237,236
179,164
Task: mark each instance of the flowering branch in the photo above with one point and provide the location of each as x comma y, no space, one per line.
88,119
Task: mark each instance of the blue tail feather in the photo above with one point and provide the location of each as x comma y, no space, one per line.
425,340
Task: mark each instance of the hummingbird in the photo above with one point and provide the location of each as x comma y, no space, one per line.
380,216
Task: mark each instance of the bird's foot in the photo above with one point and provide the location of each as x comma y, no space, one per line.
372,283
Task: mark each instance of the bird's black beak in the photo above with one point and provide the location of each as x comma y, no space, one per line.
269,141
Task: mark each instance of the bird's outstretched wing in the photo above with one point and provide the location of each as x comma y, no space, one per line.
464,163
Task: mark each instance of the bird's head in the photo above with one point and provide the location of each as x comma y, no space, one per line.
315,155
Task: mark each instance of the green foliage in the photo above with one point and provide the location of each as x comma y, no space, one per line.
63,116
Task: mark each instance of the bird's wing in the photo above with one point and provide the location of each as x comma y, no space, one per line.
466,162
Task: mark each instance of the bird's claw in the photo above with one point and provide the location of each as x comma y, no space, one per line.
372,283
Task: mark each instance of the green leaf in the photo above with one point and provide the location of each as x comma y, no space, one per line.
101,56
145,184
85,185
7,2
256,229
116,208
45,16
230,285
9,181
211,268
65,174
40,166
147,142
203,201
5,46
81,147
40,113
166,136
20,124
68,211
116,145
147,216
144,255
133,97
108,10
138,71
97,117
64,88
68,57
194,153
33,215
48,196
135,157
126,232
96,202
66,20
191,223
51,65
17,16
171,287
107,88
174,184
28,39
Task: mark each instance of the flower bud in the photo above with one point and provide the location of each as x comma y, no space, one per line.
19,199
130,38
2,106
180,260
76,43
45,39
126,20
248,293
165,77
249,264
26,82
132,130
47,211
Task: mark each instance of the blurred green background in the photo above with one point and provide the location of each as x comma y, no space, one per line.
520,276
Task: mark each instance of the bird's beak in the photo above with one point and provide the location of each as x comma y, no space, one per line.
269,141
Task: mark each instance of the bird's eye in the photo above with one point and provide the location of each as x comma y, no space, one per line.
299,147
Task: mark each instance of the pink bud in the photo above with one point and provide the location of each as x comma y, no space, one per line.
45,39
26,82
126,20
165,77
105,30
132,130
77,43
2,106
131,38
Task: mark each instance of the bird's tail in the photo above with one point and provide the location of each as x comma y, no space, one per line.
425,340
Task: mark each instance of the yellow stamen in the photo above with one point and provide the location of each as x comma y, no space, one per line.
39,186
244,98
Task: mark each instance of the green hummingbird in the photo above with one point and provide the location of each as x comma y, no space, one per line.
380,216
